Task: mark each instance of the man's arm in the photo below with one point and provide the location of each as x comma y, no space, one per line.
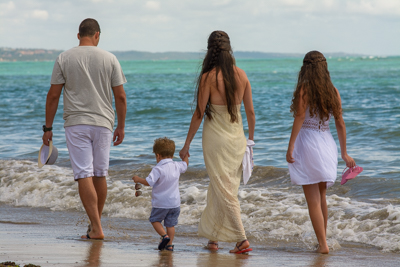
120,106
53,97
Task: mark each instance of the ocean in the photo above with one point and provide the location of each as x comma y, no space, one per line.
364,212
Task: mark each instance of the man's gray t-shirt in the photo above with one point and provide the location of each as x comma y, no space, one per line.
89,73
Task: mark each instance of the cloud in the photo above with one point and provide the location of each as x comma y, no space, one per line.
221,2
40,14
374,7
6,7
153,5
363,26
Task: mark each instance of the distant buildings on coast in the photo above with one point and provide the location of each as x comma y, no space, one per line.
21,54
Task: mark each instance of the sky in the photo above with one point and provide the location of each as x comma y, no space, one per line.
369,27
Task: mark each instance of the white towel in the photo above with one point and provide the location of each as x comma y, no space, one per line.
248,162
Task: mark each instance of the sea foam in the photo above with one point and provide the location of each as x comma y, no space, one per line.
270,211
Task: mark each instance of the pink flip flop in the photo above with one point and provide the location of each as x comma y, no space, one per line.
350,173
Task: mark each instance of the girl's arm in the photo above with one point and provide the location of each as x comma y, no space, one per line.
297,123
248,106
341,131
204,95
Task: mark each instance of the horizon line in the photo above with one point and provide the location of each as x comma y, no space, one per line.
203,51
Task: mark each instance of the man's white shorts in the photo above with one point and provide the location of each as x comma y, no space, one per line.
89,150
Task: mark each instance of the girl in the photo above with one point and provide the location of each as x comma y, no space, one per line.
221,88
312,152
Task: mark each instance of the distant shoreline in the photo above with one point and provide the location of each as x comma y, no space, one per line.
20,54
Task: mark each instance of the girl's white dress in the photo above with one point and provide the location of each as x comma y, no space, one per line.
315,153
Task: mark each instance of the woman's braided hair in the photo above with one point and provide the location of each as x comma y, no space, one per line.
318,89
219,56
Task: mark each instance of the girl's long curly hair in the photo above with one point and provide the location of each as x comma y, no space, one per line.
318,90
219,56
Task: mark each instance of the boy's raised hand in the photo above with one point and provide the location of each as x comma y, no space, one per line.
142,181
136,179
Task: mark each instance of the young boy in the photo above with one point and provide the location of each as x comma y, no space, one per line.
165,198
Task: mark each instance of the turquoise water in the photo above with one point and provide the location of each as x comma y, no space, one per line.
365,211
160,98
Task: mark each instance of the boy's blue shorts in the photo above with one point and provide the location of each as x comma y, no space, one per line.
169,216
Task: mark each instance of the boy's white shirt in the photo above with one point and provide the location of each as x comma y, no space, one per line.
164,179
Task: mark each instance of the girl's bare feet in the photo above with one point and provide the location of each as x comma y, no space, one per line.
91,234
212,245
240,246
322,249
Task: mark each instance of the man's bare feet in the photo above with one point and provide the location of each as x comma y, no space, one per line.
322,250
240,246
212,245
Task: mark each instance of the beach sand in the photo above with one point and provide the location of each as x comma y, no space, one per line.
51,238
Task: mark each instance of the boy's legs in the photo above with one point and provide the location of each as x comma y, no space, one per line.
313,198
170,221
159,228
156,217
171,234
170,218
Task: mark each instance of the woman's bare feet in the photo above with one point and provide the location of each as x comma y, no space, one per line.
240,246
322,249
212,245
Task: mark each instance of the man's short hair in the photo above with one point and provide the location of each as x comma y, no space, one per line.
164,147
88,27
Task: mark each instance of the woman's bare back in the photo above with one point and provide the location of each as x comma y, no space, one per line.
217,94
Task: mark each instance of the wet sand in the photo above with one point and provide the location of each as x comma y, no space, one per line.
51,238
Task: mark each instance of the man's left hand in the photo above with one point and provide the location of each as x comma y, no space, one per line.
119,135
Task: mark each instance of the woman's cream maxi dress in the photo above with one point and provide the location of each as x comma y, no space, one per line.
224,145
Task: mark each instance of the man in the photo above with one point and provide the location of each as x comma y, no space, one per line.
89,76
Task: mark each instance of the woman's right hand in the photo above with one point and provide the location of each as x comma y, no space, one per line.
349,161
184,151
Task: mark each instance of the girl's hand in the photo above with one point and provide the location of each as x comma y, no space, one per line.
349,161
184,151
289,157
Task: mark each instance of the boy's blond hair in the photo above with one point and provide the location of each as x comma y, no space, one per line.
164,147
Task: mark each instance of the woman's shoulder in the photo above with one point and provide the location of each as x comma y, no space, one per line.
239,70
209,76
241,73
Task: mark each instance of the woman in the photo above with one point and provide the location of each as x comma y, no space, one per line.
221,88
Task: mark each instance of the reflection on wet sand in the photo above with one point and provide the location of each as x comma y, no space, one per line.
165,258
222,260
93,254
320,261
